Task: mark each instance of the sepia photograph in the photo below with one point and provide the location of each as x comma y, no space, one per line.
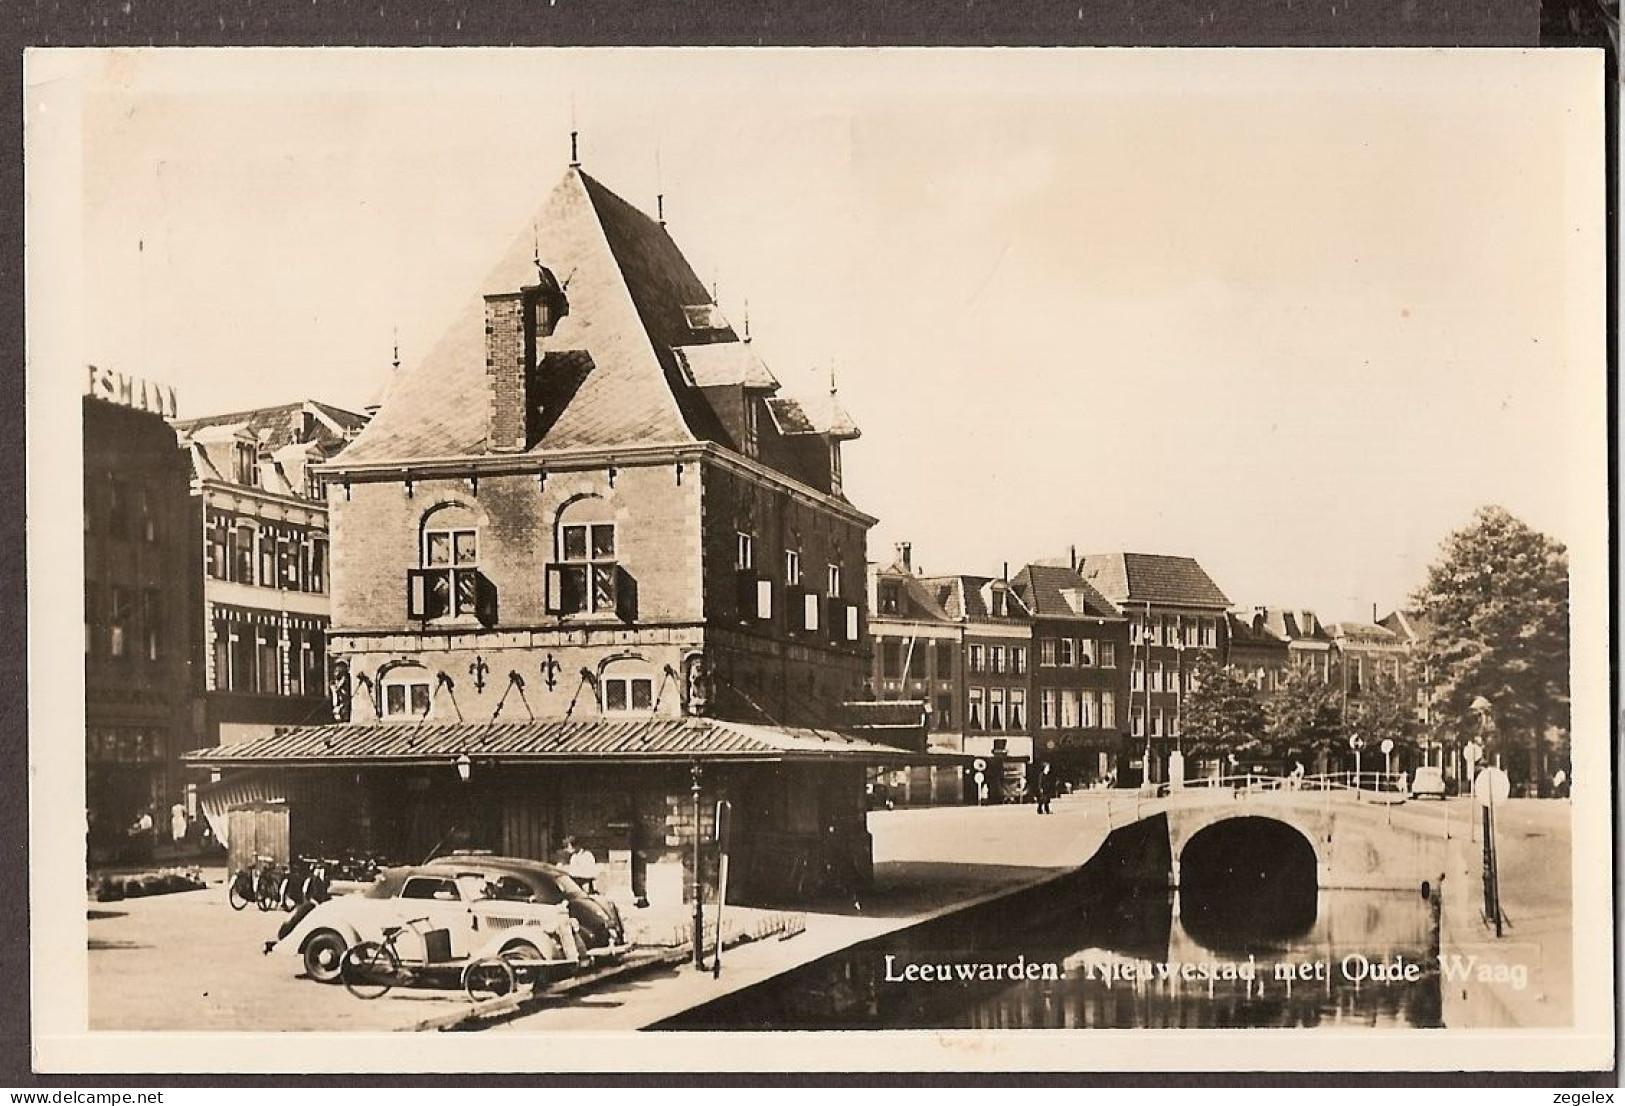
878,560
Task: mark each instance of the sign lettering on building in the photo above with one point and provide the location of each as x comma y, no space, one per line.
131,391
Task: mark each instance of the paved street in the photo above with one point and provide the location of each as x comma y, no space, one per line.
188,961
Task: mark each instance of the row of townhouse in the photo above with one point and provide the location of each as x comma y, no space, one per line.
1085,665
206,590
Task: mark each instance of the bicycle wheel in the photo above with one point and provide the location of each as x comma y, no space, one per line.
369,969
240,893
489,978
266,894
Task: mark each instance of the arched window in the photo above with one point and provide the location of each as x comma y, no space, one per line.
586,577
405,692
627,687
449,584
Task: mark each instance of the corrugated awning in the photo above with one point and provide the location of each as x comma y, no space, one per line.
585,741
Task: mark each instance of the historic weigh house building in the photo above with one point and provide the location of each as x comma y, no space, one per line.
591,573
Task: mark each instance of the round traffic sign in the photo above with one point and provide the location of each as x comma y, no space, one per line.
979,764
1387,745
978,777
1491,785
1356,742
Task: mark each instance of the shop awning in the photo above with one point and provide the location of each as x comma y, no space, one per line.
586,741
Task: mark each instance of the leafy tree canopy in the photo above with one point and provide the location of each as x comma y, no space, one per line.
1495,610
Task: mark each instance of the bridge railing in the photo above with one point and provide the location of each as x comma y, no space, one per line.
1130,804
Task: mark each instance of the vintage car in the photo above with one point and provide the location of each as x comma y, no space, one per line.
467,916
1428,783
597,919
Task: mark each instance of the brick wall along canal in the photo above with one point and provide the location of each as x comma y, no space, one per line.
1107,947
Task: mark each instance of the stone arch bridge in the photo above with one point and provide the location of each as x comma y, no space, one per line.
1356,842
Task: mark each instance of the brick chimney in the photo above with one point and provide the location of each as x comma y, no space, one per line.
905,555
515,324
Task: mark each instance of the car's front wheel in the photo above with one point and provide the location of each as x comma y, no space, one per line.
324,952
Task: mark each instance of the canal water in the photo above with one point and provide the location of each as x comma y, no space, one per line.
1095,950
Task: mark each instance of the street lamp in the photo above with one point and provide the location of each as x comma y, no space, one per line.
1356,742
464,766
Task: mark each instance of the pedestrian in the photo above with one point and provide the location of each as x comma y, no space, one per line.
1044,788
1559,778
177,824
582,864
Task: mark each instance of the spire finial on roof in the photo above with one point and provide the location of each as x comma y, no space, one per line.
575,158
536,245
395,337
747,318
832,376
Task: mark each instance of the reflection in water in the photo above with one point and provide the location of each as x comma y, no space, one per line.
1087,952
1247,885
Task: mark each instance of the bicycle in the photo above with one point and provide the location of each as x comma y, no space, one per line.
371,969
305,881
260,885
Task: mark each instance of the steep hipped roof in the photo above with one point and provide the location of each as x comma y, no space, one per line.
626,363
606,256
1136,578
1044,591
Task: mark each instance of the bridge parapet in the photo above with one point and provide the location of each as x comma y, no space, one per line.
1355,844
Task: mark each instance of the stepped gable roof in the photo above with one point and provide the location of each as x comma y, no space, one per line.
610,360
1156,578
1043,590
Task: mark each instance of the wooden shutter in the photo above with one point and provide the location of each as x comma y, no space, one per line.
626,595
485,600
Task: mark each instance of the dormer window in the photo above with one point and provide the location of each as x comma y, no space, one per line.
998,603
752,425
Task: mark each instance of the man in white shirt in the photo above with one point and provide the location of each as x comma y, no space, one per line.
583,865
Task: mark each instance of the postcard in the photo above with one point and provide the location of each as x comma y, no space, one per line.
819,560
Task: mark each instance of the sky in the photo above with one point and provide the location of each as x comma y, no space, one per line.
1294,314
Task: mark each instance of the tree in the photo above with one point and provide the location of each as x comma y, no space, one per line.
1305,716
1221,712
1496,608
1380,713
